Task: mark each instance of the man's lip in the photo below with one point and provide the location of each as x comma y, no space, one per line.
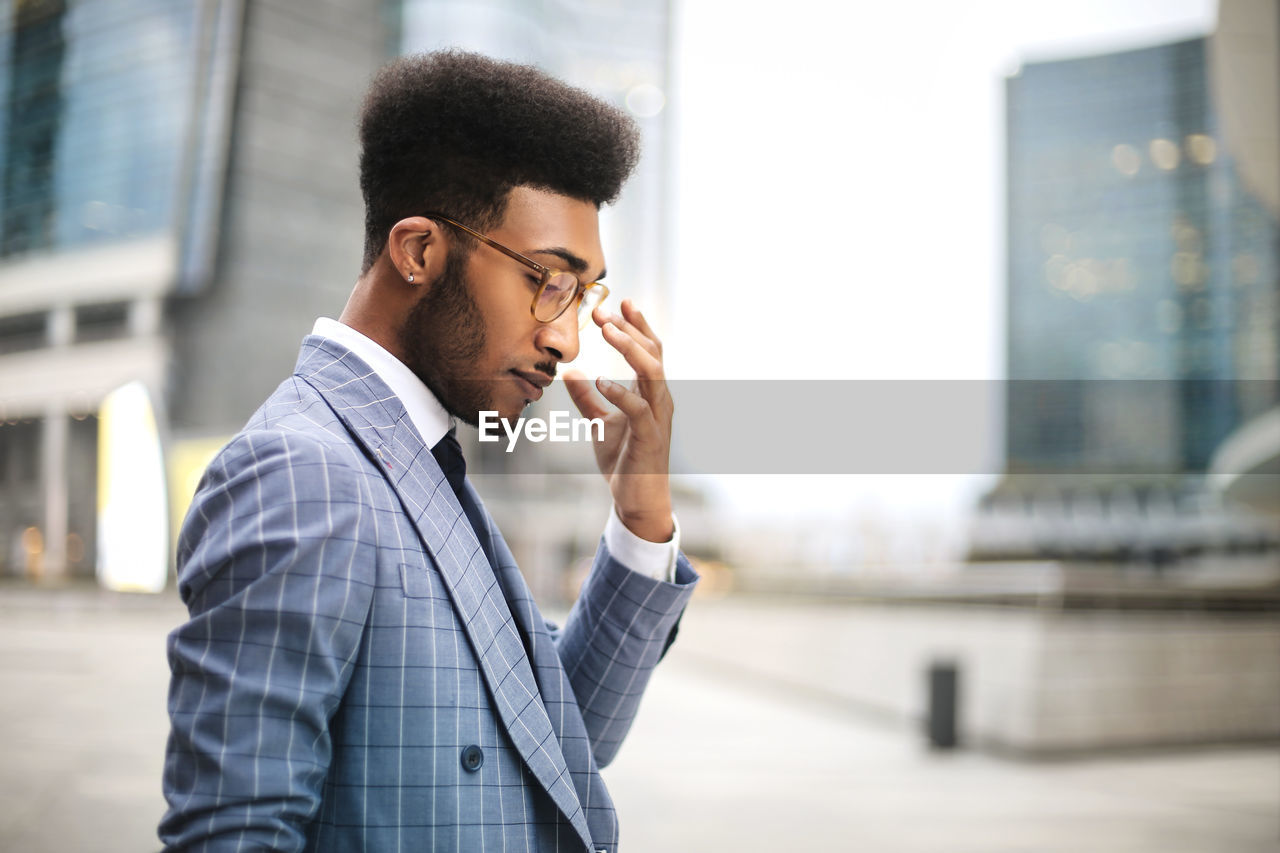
534,382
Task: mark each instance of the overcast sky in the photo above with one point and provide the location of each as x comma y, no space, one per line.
840,188
849,157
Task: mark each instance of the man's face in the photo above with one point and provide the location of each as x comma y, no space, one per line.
471,336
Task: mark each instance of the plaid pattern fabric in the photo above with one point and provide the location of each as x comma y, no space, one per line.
356,675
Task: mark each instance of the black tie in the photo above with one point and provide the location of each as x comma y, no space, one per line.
448,452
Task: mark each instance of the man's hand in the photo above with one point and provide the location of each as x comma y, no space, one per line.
635,453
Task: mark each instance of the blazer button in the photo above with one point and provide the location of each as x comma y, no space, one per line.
472,758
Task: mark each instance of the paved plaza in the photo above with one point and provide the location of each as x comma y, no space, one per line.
718,761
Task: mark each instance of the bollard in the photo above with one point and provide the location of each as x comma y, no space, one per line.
943,700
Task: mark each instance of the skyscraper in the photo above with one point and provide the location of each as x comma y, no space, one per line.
1134,254
167,166
1143,280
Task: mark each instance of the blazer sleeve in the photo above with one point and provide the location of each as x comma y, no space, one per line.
272,565
619,628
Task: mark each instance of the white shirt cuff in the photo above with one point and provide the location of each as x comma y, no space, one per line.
656,560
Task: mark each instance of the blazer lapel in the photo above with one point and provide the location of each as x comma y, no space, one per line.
378,421
553,681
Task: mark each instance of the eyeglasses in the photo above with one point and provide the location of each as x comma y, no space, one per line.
557,289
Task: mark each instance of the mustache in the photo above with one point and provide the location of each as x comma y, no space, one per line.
547,367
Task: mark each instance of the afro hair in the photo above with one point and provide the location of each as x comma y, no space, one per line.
453,133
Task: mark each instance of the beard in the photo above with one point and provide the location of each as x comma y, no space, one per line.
443,339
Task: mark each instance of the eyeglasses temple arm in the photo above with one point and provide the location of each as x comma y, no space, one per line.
510,253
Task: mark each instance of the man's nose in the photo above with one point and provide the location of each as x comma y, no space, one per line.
559,338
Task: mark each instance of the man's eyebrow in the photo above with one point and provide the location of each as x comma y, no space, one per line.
575,263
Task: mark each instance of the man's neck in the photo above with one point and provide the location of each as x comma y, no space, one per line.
366,312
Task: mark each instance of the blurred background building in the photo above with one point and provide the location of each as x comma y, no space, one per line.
179,189
1143,304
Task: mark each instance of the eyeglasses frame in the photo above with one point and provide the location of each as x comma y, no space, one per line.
546,273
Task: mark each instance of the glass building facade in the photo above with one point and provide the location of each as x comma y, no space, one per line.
149,152
106,106
1143,314
113,124
1142,276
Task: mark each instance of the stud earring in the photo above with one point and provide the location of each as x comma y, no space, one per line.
411,278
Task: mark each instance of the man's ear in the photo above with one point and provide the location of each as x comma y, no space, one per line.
417,249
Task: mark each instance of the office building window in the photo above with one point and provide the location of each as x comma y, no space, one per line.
100,97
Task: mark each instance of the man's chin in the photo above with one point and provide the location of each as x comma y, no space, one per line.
466,400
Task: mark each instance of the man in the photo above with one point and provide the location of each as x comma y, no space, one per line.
364,668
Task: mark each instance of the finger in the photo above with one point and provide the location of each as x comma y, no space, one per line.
651,346
646,364
650,379
634,406
581,391
636,317
661,400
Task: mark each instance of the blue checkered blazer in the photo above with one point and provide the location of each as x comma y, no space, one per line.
355,675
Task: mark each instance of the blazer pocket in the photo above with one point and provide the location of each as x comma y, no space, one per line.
415,581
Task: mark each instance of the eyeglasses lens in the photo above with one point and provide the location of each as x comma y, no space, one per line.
556,296
592,297
559,294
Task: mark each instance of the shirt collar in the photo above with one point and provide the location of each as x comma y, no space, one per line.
425,411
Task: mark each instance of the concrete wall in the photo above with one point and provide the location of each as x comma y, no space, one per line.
1031,681
1107,679
293,220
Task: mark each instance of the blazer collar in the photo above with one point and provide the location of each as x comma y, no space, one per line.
425,410
378,421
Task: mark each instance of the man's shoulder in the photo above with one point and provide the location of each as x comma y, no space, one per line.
330,388
295,426
306,433
284,484
296,406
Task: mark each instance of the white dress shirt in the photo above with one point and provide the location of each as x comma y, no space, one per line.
653,559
